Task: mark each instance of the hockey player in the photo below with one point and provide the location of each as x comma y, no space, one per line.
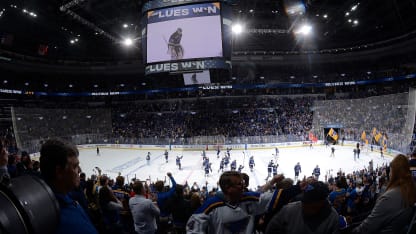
207,168
218,152
358,153
221,166
240,168
226,160
298,170
166,155
332,152
276,153
98,151
355,154
316,172
228,152
148,158
251,163
178,162
203,154
233,165
274,169
270,169
174,47
381,152
205,162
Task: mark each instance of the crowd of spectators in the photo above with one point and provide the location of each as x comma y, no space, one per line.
226,119
371,200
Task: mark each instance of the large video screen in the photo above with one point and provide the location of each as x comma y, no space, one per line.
184,32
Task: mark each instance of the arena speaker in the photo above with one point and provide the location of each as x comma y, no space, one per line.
28,205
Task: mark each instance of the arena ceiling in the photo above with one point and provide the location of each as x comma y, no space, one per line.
90,30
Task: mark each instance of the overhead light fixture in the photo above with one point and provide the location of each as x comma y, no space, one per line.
325,16
304,29
355,22
128,42
237,28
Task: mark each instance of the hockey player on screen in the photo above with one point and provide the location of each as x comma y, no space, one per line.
175,48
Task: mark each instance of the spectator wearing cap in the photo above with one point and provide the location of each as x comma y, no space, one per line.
393,209
313,214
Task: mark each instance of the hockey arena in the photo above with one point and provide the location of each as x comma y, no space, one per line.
132,163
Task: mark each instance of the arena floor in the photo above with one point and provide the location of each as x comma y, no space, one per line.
132,163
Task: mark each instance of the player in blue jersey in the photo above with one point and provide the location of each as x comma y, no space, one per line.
251,163
316,172
178,162
298,170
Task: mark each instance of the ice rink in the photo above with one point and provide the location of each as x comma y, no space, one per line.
132,163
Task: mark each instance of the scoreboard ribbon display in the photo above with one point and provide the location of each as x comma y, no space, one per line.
181,12
187,66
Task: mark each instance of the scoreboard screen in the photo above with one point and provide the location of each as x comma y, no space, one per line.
184,32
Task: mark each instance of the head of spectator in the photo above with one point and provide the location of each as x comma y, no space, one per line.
232,185
106,195
400,176
160,186
119,182
285,183
138,188
104,180
59,165
246,179
315,198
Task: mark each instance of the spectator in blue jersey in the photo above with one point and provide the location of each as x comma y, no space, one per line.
235,211
59,166
162,198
